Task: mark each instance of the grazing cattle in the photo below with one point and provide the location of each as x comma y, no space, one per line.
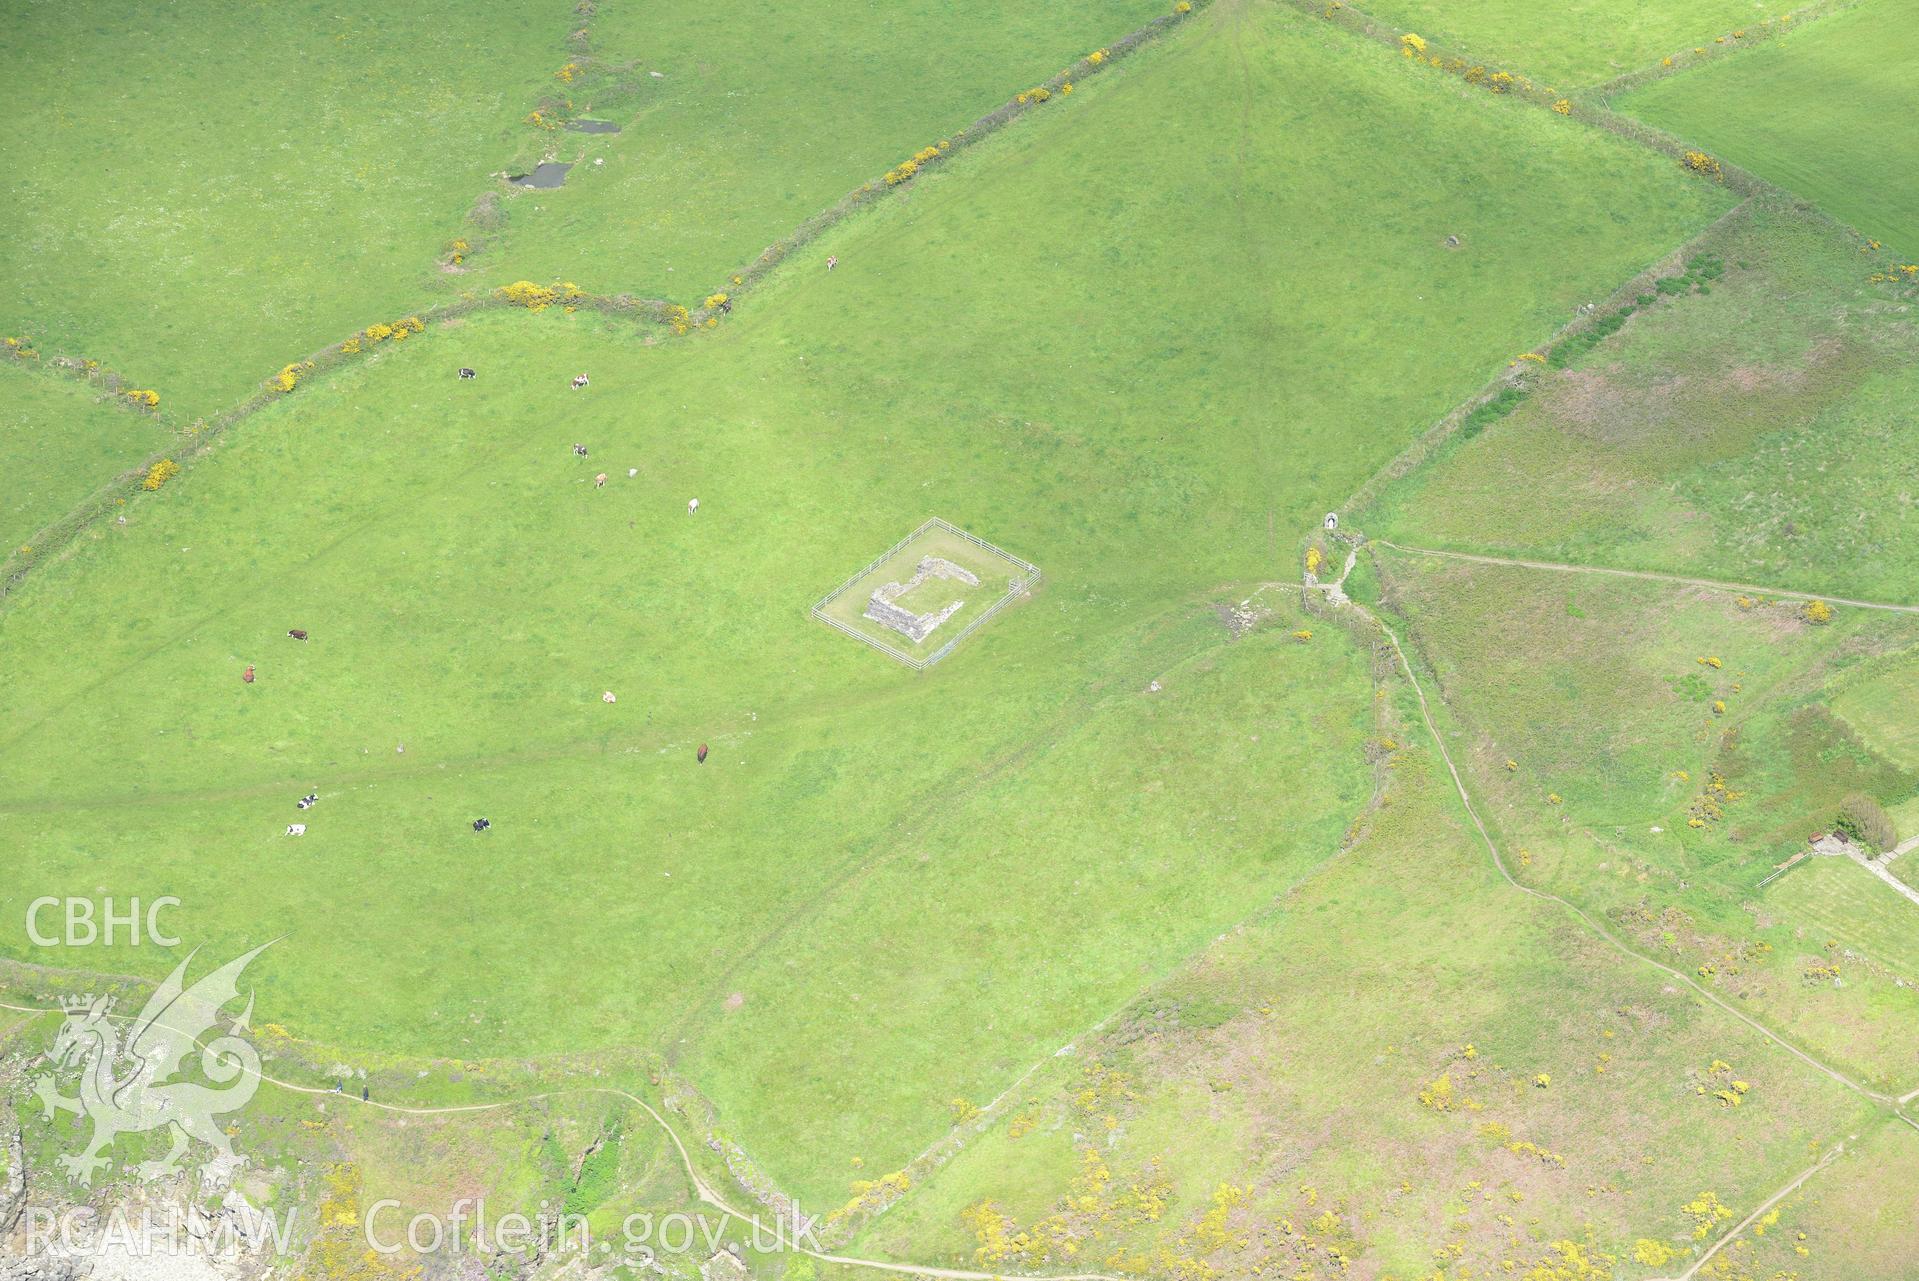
832,261
579,451
247,675
607,697
599,481
579,382
467,373
297,633
480,824
701,754
692,506
296,829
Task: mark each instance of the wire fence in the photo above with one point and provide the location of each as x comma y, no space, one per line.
1020,584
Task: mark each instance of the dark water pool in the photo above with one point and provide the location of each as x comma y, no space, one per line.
546,176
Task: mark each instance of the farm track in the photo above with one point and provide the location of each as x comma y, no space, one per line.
703,1191
706,1194
1584,918
1837,1150
1651,575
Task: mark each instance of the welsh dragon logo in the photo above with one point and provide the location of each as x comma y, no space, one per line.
132,1085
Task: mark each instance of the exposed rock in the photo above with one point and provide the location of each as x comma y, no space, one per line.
13,1192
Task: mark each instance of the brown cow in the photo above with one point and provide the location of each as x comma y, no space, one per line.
702,753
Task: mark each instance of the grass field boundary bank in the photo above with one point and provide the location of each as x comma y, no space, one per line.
873,190
702,1190
59,535
552,112
951,1144
113,385
1507,85
195,441
1427,445
1888,1101
1069,720
1725,45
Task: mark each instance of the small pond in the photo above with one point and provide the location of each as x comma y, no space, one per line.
546,176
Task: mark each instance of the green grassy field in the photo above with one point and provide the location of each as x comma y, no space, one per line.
1570,45
1880,709
1663,814
1845,902
1848,1221
59,443
1824,111
1299,1078
1752,433
1162,857
736,142
470,594
191,191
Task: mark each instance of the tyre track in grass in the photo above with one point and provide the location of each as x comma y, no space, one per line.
1838,1150
1648,575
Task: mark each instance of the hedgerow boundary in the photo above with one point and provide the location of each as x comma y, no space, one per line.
1383,671
438,314
1576,105
873,190
59,536
1484,827
585,71
1516,378
1722,46
193,442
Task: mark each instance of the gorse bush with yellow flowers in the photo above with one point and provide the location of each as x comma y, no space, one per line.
1702,163
289,376
537,298
160,473
395,332
924,156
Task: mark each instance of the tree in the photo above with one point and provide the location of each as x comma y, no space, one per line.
1865,822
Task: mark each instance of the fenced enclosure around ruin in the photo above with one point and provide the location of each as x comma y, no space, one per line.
917,600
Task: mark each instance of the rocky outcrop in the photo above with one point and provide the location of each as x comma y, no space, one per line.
13,1192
